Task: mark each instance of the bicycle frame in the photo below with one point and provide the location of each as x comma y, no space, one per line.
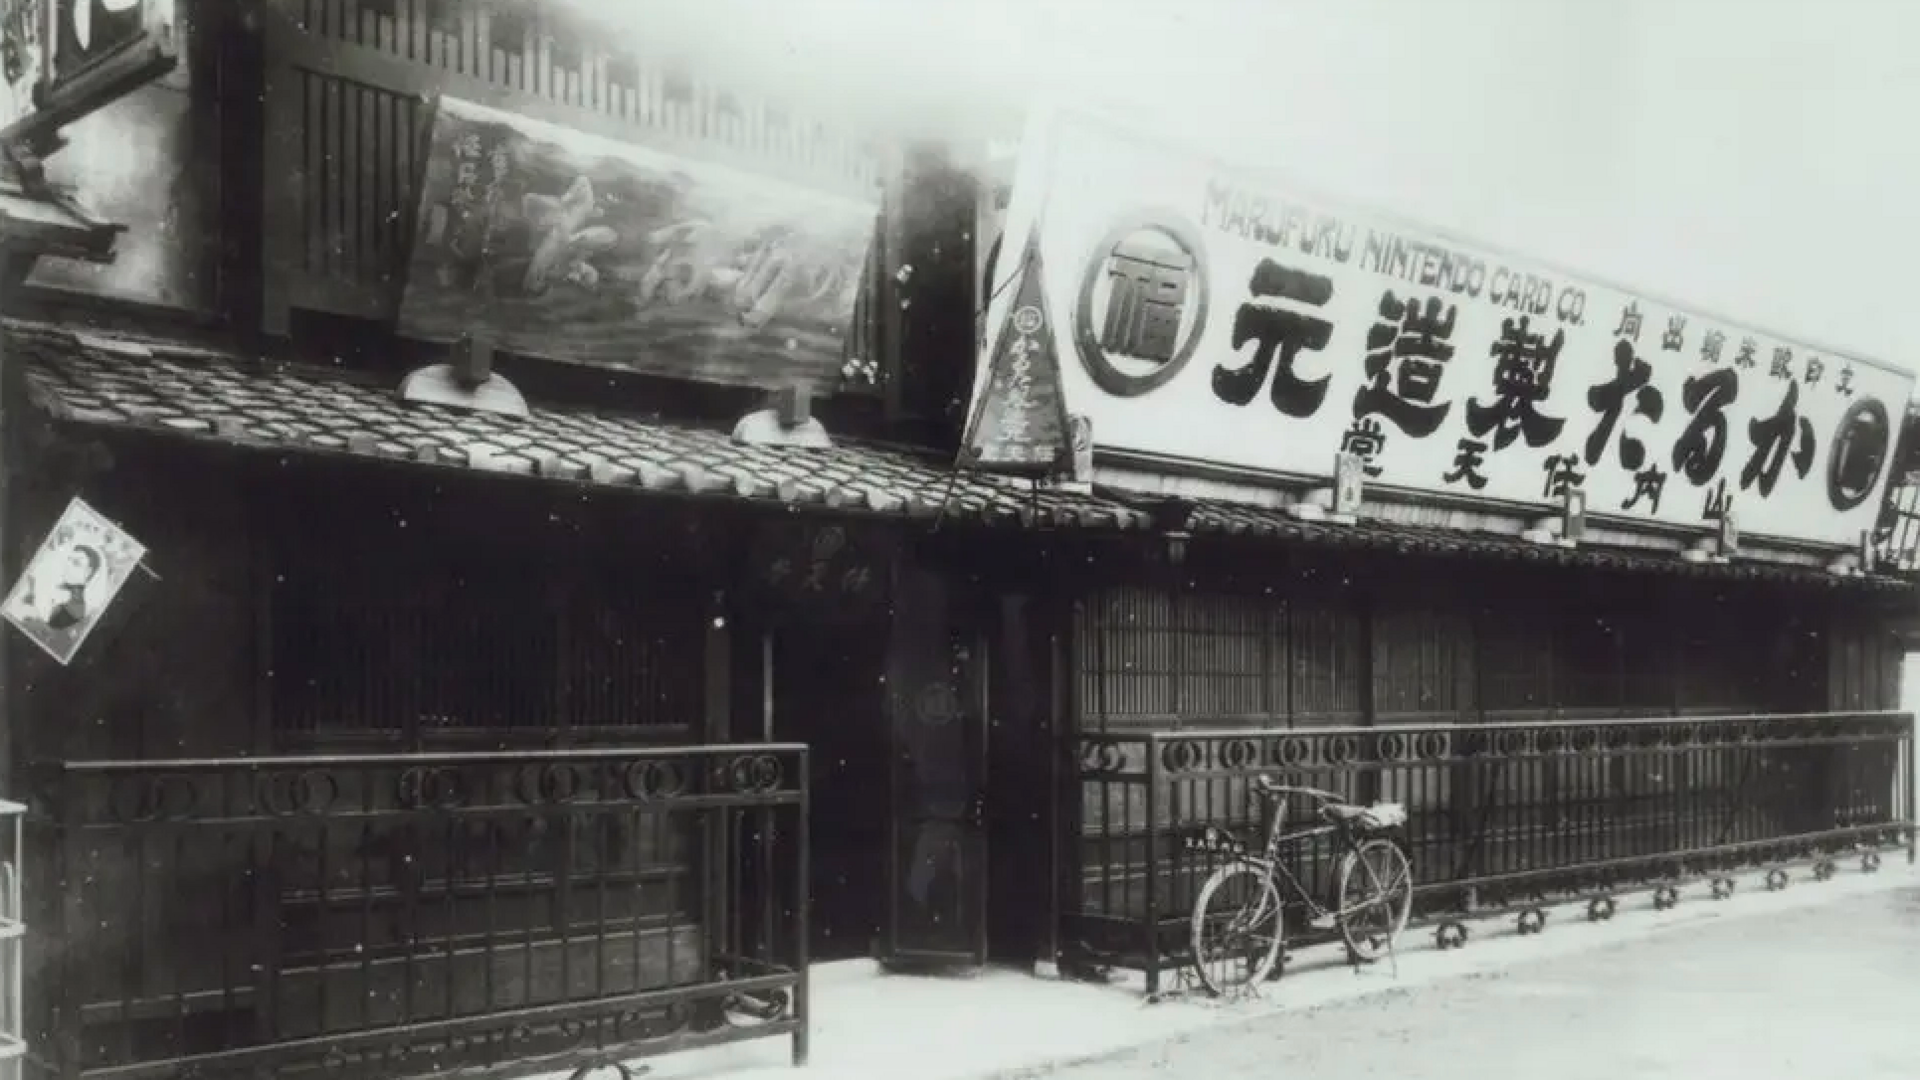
1268,862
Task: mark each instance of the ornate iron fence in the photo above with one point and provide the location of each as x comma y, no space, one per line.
416,915
1499,814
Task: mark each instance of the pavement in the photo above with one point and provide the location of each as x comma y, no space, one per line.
1826,990
1643,992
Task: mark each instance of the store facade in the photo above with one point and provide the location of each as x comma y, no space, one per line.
1403,488
550,622
578,592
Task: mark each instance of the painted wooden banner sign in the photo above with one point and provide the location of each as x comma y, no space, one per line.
1209,317
576,248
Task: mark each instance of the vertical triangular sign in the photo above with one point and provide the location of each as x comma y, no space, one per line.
1019,422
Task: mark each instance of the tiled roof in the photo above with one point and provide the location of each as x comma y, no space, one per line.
1239,519
195,392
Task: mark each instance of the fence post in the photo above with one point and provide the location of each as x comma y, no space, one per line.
801,927
13,943
1906,767
1153,867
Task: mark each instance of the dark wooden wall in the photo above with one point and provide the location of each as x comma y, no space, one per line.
171,669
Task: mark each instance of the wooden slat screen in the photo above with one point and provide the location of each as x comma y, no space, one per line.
1423,654
406,656
1155,658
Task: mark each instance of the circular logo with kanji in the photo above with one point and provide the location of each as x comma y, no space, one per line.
1142,304
1861,445
1028,320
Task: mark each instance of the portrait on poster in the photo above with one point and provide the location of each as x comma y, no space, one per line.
74,577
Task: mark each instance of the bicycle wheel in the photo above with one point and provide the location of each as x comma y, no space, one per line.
1237,928
1375,883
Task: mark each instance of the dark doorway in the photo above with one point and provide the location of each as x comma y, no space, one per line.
826,691
1019,811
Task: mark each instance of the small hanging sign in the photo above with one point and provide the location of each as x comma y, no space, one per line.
1019,423
74,577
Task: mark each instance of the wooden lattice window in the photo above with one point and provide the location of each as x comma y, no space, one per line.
1423,656
1157,658
402,655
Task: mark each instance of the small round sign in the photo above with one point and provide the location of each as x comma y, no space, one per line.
1861,448
1028,320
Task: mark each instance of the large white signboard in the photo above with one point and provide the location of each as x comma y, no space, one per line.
1208,316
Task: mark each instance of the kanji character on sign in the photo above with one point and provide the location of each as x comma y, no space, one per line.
1279,335
1711,345
1675,338
1364,440
1775,438
1744,358
1149,291
1629,327
1717,502
1524,364
1845,383
1632,381
1563,473
1407,352
1648,484
1813,369
1782,363
1701,445
1469,457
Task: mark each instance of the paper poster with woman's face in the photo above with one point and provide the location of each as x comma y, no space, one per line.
73,578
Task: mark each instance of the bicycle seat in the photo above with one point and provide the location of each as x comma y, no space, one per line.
1378,816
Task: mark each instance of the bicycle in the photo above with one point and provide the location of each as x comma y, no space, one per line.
1371,861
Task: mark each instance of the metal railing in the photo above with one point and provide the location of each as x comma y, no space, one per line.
416,915
1499,814
13,939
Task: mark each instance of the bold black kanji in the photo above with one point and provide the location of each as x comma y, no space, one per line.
1469,456
1524,363
1632,381
1776,438
1701,446
1281,331
1407,353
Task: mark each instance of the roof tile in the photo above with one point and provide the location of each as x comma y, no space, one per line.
196,392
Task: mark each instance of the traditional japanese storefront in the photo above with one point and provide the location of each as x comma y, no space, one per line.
538,637
1403,488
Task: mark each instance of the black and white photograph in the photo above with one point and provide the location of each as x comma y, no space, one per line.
959,539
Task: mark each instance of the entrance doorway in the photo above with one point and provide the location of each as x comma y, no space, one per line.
824,689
